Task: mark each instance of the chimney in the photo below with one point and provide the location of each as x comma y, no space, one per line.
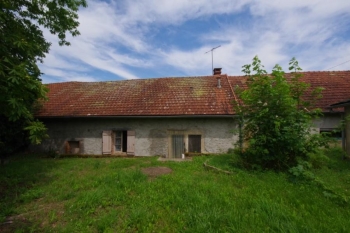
217,71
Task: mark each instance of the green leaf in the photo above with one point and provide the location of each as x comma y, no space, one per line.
274,117
23,45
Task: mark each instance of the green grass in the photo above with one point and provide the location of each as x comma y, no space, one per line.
113,195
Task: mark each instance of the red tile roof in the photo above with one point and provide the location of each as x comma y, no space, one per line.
189,96
344,103
336,86
143,97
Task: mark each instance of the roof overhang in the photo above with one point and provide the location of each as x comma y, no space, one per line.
341,104
150,117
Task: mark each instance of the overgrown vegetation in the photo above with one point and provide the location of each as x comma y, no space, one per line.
13,137
22,46
276,118
113,195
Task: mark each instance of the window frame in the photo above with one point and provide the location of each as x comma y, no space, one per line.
190,144
127,144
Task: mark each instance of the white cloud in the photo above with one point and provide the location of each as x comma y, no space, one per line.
101,23
279,31
53,72
57,75
58,61
176,12
119,36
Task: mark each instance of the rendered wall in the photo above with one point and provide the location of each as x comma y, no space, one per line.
152,134
328,121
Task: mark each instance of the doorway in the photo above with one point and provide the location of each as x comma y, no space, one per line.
178,145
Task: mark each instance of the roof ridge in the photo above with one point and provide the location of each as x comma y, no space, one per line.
322,71
140,79
183,77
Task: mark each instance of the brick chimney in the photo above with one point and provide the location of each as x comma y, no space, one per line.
217,71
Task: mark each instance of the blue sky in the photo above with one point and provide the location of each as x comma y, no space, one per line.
123,39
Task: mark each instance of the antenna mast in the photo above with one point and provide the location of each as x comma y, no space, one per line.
212,67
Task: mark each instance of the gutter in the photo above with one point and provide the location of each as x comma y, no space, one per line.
145,117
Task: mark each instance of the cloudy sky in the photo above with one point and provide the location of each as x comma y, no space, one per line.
123,39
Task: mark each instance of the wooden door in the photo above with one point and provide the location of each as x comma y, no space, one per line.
178,145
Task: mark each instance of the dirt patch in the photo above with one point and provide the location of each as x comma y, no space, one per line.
153,172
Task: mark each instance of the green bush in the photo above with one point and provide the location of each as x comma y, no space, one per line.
275,118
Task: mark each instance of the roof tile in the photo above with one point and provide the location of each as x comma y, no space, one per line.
170,96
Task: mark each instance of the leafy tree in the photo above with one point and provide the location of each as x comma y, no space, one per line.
12,136
275,116
22,46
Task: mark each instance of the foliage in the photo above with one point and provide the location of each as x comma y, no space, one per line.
12,136
22,45
304,172
276,118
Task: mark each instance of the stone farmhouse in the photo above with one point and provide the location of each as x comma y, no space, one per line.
169,117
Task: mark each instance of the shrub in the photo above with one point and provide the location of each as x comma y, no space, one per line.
275,117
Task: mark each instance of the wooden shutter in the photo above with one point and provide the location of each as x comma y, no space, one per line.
130,150
107,142
67,148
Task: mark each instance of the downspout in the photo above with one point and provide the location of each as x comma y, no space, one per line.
240,120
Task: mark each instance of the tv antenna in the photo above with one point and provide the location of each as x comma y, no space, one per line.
212,68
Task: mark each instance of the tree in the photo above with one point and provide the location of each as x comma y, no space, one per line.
276,118
22,46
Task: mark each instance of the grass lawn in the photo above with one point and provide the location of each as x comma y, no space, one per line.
113,195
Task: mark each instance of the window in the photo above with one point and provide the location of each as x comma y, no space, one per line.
185,142
74,146
194,143
119,141
333,133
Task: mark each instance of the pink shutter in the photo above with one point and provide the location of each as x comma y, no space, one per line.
130,150
107,142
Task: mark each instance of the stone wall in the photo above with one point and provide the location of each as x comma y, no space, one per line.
152,135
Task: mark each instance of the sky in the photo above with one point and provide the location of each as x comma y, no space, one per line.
123,39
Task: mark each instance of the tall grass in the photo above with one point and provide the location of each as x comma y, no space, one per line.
113,195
